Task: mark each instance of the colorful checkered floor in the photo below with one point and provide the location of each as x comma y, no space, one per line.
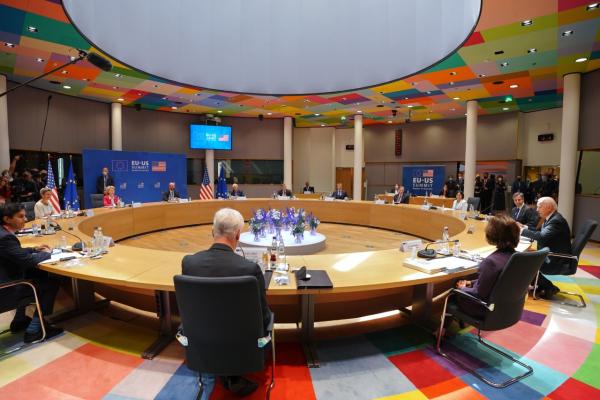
98,358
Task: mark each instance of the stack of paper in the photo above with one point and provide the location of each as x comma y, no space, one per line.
435,265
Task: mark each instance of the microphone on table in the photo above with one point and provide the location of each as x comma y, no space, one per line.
76,246
431,253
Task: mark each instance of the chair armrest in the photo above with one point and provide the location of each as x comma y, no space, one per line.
563,255
472,298
15,283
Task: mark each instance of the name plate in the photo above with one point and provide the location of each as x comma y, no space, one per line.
89,213
328,198
379,201
136,204
407,245
183,201
283,197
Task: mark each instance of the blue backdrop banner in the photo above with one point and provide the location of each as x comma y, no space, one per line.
420,180
137,176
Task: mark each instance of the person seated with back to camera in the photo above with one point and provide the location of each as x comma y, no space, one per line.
460,203
235,191
43,208
110,198
171,194
220,260
401,197
339,193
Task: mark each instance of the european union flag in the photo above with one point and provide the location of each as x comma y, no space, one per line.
71,197
222,184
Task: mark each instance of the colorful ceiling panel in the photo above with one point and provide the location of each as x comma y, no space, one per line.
513,61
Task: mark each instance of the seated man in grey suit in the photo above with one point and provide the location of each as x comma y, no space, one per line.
235,191
171,194
554,234
523,214
221,261
339,193
284,191
401,197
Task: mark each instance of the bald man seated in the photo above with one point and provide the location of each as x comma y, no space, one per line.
554,234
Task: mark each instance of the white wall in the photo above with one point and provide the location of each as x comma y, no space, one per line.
344,158
313,154
532,124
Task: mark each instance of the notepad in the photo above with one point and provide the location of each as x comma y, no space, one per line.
435,265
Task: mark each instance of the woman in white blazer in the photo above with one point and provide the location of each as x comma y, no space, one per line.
460,203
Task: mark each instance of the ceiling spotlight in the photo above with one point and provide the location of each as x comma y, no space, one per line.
156,85
453,109
452,73
406,98
64,72
567,33
115,87
389,122
504,64
532,50
527,22
220,111
173,108
118,75
120,99
504,108
32,29
456,98
198,94
359,111
592,6
514,86
481,75
40,60
317,115
428,92
580,60
427,119
66,87
409,106
343,118
7,44
322,124
269,113
451,83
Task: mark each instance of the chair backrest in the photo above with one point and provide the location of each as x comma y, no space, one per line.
582,237
29,210
222,320
510,290
97,200
474,201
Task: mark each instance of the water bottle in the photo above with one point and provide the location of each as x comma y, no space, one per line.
456,249
445,237
101,245
281,254
95,241
274,250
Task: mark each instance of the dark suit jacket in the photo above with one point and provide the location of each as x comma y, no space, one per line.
403,200
221,261
338,196
308,189
556,235
166,195
287,193
489,271
100,183
15,260
528,216
237,193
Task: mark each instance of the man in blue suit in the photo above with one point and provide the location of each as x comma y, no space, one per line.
339,193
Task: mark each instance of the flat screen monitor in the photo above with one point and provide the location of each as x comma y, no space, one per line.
210,137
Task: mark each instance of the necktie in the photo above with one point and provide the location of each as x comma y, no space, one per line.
518,213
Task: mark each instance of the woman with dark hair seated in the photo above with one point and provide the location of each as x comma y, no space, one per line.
503,232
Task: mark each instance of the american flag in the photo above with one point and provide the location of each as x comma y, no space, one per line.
52,186
206,191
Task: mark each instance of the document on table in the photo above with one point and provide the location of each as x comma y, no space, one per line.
435,265
58,257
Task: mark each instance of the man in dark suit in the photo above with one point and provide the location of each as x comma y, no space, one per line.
339,193
284,191
104,181
523,214
554,234
401,197
235,191
452,187
519,186
17,262
221,261
171,194
308,188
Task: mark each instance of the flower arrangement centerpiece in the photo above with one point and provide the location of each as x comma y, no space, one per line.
276,217
313,222
256,227
261,218
298,231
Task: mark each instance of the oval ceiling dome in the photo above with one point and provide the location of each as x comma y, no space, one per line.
276,46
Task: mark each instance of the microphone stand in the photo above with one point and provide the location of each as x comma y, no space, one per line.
80,243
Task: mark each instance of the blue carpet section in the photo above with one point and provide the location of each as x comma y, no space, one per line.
183,385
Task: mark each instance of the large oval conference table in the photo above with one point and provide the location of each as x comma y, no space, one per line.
364,283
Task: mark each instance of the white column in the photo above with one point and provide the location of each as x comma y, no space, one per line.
210,165
568,146
358,157
116,125
287,152
471,149
4,144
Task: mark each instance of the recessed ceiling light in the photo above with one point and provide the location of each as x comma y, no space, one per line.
32,29
409,106
504,108
120,99
86,79
427,119
7,44
66,87
580,60
197,94
504,64
567,33
156,85
219,111
527,22
592,6
118,75
481,75
532,50
316,115
514,86
322,124
64,72
343,118
456,98
428,92
451,83
359,111
406,98
173,108
453,109
389,122
39,59
465,113
115,87
269,113
452,73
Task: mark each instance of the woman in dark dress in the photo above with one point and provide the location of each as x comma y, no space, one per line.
444,191
499,194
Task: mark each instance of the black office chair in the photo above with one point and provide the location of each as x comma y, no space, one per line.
16,294
577,245
222,320
29,210
503,310
475,202
97,200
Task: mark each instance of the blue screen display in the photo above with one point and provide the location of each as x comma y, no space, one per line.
210,137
